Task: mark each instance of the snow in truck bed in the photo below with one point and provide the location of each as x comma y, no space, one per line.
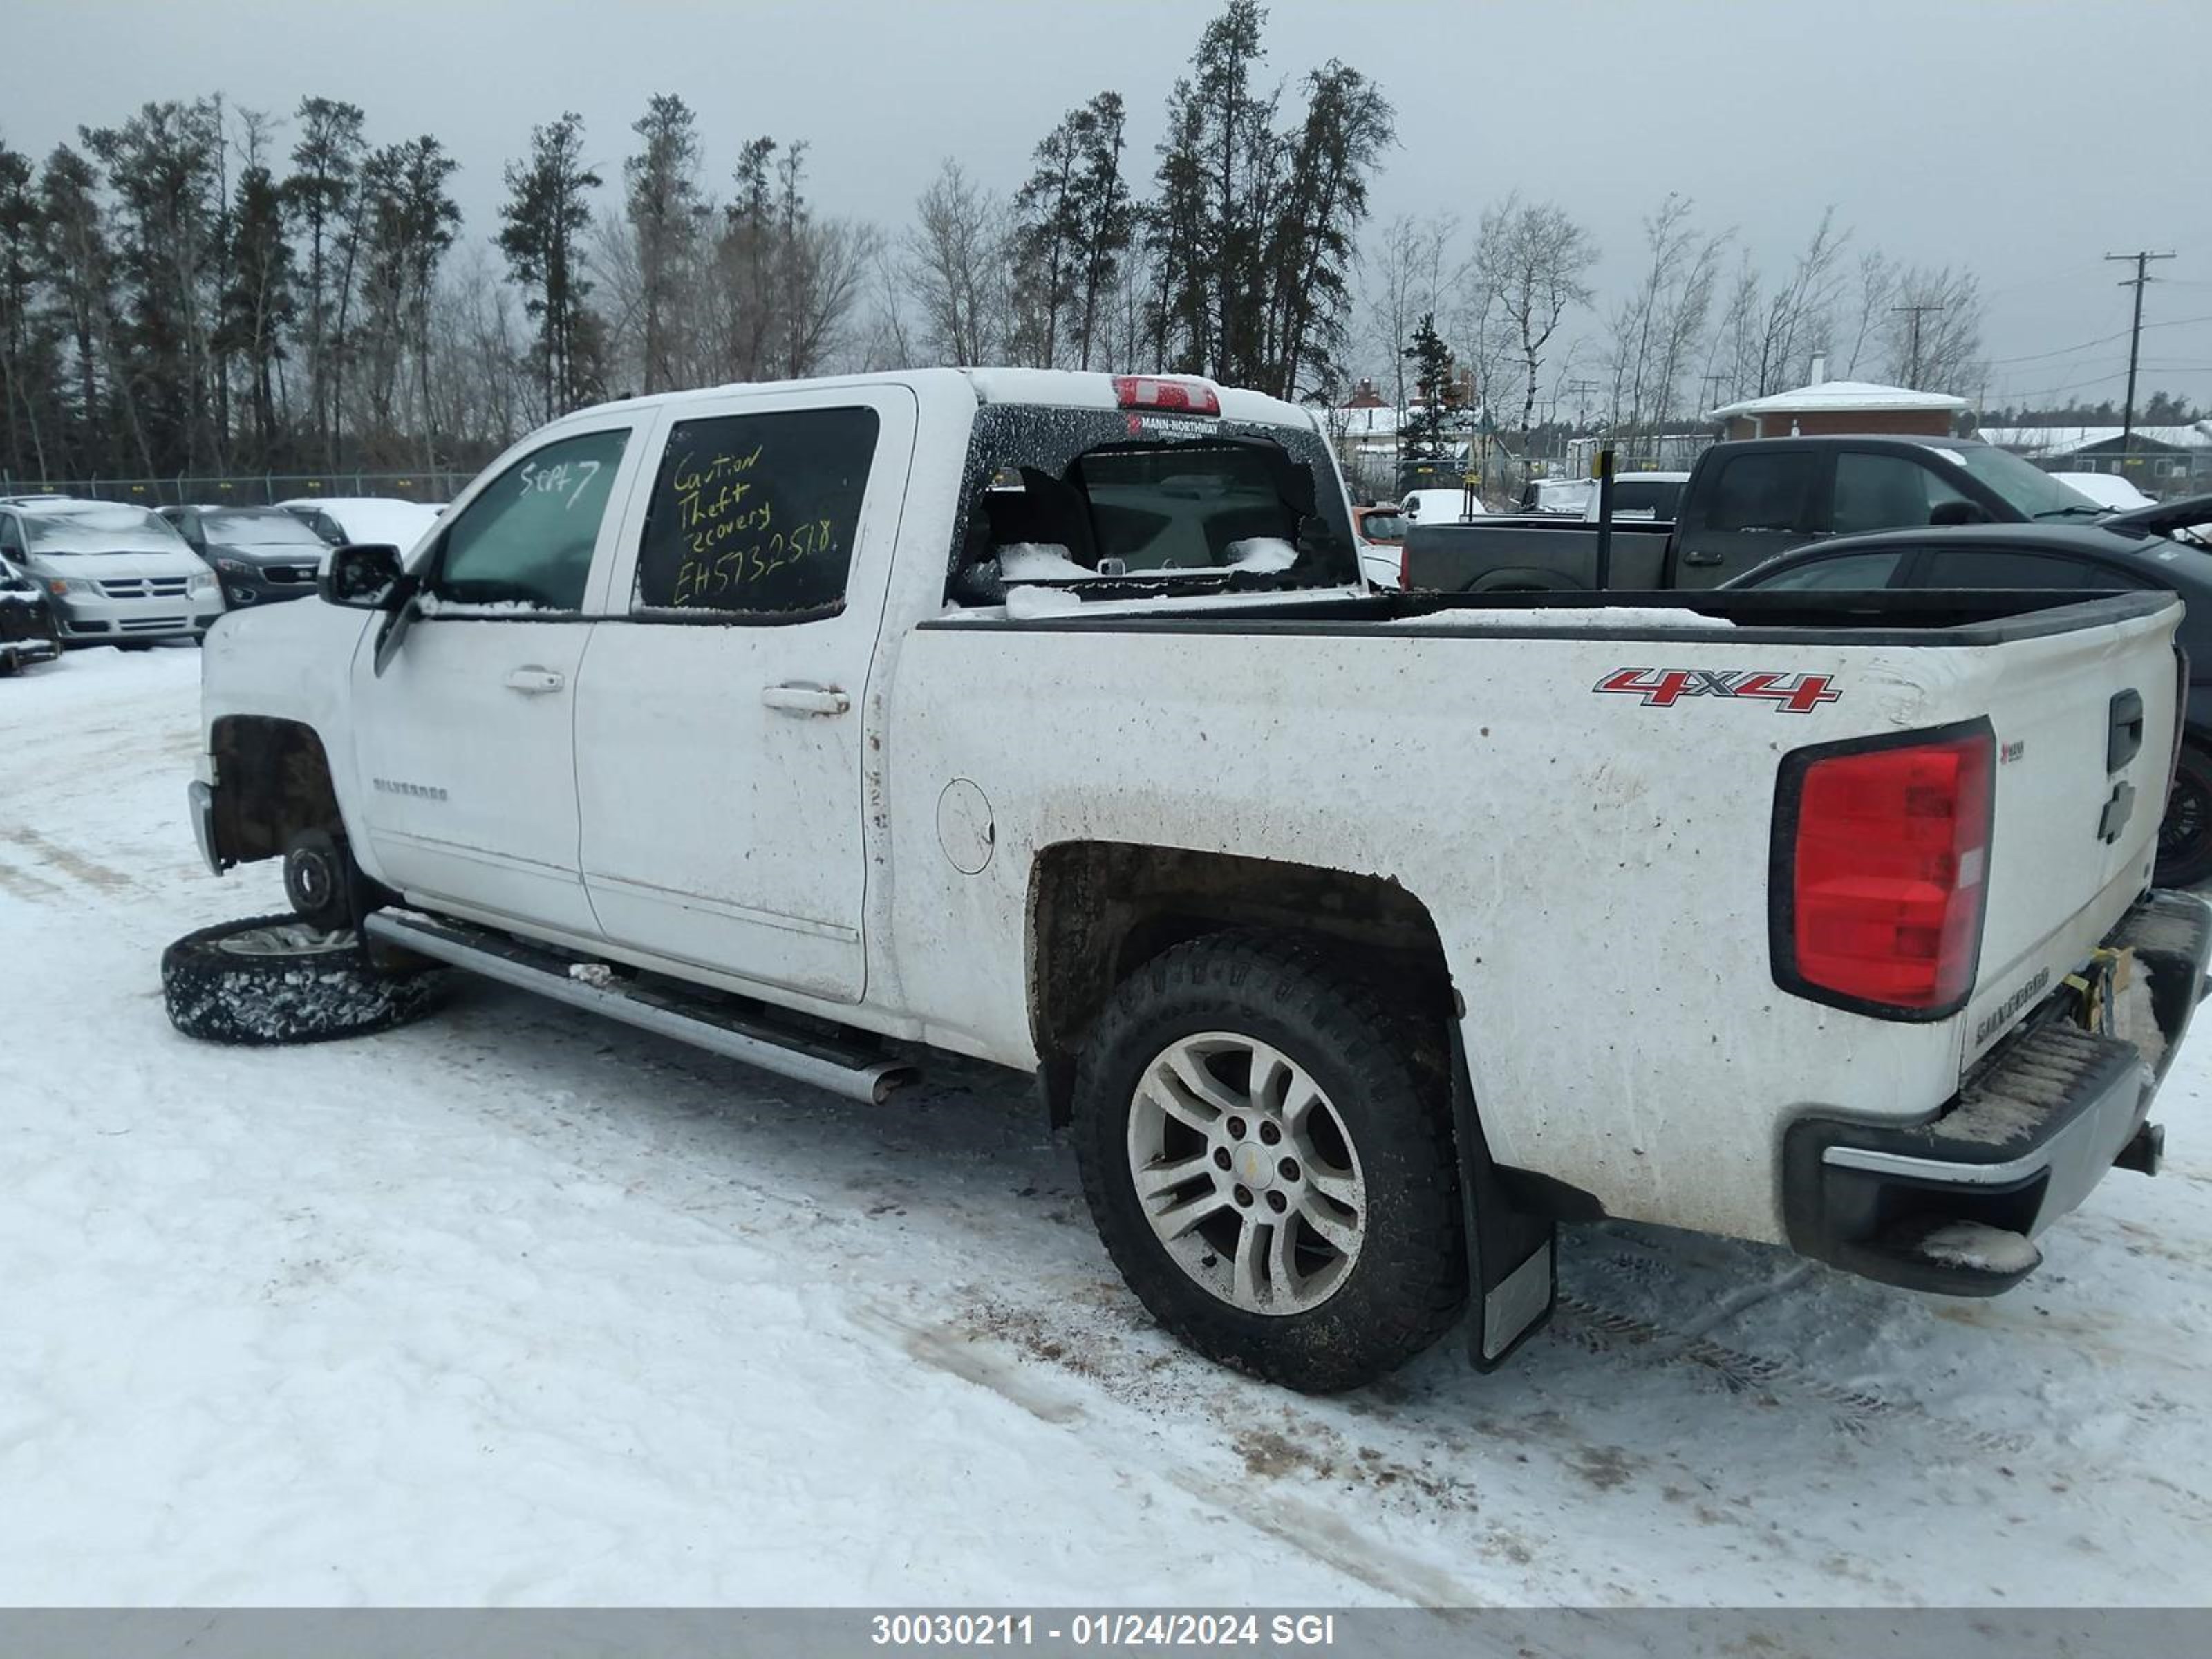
519,1306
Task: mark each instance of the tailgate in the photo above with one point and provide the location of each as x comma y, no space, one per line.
2084,724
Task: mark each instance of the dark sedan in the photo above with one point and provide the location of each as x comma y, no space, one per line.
260,554
29,632
2114,556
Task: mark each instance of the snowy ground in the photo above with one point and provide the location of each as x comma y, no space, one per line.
513,1306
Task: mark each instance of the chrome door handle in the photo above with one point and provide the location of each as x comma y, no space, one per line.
1701,559
533,680
805,699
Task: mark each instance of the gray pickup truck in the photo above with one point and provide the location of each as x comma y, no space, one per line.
1744,503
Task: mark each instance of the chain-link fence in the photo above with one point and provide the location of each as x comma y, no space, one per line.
245,489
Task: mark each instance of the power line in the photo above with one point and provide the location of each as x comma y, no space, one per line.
2086,345
2138,282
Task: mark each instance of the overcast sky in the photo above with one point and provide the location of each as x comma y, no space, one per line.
2024,140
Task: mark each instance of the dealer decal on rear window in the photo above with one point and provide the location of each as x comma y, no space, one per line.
1663,688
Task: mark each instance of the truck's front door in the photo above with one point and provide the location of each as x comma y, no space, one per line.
1758,503
465,743
721,724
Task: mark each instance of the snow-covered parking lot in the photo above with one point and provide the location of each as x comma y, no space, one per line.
513,1306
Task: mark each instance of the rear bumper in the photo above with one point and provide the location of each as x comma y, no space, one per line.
2033,1130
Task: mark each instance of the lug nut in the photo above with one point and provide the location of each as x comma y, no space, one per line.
1270,1133
1244,1196
1236,1127
1278,1203
1220,1157
1289,1166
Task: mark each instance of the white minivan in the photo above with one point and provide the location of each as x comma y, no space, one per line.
116,574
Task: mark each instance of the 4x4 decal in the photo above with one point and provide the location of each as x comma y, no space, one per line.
1663,688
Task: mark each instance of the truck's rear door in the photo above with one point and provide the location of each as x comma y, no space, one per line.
1751,506
718,723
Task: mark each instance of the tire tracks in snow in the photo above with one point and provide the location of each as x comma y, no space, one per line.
1267,1504
51,854
1607,1334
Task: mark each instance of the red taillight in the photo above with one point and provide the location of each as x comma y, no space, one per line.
1405,564
1150,391
1886,854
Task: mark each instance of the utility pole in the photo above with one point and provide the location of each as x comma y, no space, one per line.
1913,360
2134,337
1583,389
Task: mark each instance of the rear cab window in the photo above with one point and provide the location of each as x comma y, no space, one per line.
1773,490
1124,504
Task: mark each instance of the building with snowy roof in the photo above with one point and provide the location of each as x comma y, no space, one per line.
1826,406
2159,460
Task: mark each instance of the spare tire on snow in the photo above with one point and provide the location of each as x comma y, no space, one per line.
276,979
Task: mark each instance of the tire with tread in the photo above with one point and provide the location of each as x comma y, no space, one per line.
2185,843
1409,1284
327,988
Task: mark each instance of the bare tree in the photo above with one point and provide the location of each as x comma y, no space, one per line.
1800,317
1413,277
1933,329
1532,257
1656,331
829,267
957,258
1877,283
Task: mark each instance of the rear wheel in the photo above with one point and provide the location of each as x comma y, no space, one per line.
1269,1167
2184,835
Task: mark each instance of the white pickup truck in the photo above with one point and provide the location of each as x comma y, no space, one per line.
1359,936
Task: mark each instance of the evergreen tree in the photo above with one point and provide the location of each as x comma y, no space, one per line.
745,264
1072,222
1425,422
318,195
1047,227
259,303
1311,245
79,270
662,200
1105,218
26,344
1251,234
545,215
162,167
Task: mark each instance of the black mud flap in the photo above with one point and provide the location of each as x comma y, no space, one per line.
1512,1252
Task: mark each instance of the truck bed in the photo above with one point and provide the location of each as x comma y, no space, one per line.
1740,617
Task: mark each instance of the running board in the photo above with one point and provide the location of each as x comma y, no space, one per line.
824,1062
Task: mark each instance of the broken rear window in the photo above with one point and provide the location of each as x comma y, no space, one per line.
1096,496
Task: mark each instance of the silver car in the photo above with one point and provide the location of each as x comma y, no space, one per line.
116,574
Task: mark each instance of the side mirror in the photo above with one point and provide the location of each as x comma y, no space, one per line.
1956,513
361,576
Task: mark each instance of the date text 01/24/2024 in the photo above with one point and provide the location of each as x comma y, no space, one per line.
1104,1629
